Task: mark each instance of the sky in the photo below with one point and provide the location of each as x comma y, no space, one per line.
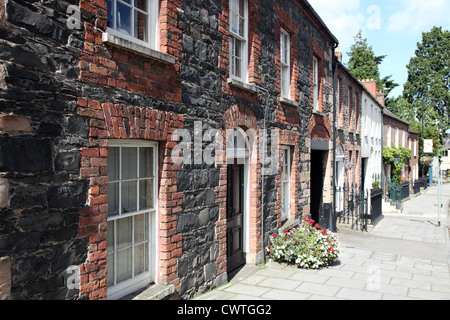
392,27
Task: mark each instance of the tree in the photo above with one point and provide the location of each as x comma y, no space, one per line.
400,107
429,79
363,64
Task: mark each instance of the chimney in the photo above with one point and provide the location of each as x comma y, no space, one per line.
371,86
380,97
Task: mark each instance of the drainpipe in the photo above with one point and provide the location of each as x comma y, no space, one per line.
332,225
262,176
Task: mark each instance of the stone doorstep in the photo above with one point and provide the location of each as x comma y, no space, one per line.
155,292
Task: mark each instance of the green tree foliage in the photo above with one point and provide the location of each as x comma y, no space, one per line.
388,158
429,79
401,108
363,64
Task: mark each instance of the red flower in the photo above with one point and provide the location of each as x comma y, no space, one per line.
274,235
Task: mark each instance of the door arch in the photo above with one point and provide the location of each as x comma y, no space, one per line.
238,197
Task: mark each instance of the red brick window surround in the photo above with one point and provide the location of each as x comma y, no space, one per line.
240,86
136,21
339,109
350,107
106,63
129,124
317,56
289,26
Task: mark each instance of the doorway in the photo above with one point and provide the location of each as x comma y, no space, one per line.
238,153
317,176
235,216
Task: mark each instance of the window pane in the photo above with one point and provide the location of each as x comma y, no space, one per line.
110,237
124,232
113,199
113,164
146,194
110,10
140,26
232,66
237,58
110,272
285,200
236,189
124,268
129,163
145,162
234,18
129,197
140,259
123,18
141,228
241,18
141,5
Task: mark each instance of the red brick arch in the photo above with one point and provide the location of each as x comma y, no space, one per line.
319,127
239,116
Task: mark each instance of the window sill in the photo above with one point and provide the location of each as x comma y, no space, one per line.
320,113
155,292
242,85
288,101
120,42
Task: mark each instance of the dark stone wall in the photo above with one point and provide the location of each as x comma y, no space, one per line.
43,79
39,81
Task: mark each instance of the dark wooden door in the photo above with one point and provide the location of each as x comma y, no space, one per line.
316,184
235,217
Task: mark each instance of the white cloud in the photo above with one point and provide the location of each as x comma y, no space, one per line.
416,16
343,18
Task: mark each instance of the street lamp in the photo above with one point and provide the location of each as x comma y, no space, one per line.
396,159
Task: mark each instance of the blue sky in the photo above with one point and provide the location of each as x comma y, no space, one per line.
392,28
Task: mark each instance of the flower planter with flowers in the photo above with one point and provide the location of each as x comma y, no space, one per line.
307,246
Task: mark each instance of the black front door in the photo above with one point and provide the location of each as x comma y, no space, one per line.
235,217
316,184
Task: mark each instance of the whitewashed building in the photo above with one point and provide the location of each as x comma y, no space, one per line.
372,104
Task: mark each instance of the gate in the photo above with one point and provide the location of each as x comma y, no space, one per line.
355,208
392,192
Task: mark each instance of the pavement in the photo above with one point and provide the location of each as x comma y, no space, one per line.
405,256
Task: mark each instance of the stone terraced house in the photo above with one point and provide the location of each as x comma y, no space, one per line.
155,146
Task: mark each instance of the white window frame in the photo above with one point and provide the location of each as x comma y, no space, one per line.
240,40
285,181
389,136
339,179
338,104
128,286
396,138
315,71
285,51
152,24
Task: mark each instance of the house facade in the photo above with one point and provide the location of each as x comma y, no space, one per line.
413,167
396,133
372,137
157,145
348,145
